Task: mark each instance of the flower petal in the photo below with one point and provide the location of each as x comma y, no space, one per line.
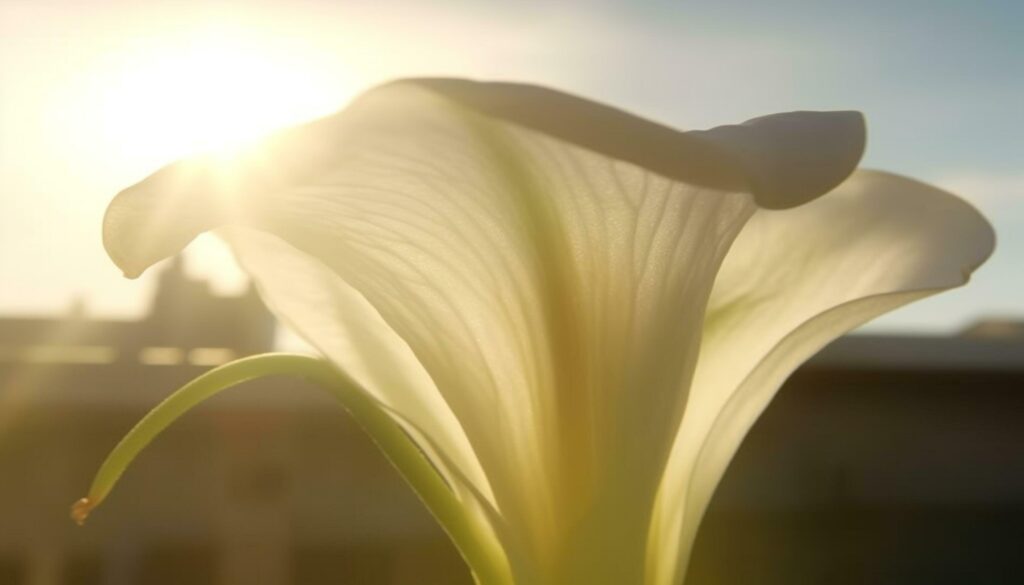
793,282
340,323
783,160
518,273
346,329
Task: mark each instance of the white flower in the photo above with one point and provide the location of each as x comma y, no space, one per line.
575,313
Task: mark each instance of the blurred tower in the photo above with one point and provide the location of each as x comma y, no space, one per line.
186,314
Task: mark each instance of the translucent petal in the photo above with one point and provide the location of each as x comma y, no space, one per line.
519,273
783,160
347,330
792,282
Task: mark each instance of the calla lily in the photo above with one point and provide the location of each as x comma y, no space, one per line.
571,314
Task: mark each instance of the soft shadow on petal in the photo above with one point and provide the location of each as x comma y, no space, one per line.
793,282
783,160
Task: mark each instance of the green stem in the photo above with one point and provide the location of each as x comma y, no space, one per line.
428,484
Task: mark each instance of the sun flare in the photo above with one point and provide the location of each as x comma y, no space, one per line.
214,91
208,88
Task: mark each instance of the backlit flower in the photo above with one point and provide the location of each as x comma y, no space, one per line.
575,314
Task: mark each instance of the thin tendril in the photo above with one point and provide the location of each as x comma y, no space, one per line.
403,453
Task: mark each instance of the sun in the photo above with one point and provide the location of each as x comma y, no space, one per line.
211,91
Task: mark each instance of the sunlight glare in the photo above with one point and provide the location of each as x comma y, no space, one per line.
210,92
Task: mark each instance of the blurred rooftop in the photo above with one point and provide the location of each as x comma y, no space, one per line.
885,459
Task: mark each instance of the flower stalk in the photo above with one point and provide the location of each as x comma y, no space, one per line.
407,458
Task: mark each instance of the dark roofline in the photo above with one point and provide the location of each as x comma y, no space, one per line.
921,353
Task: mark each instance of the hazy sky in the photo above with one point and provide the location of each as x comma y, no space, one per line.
95,95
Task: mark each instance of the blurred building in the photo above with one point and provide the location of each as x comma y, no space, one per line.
187,324
889,460
884,460
270,483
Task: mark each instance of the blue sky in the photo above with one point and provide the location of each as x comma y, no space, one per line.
85,108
